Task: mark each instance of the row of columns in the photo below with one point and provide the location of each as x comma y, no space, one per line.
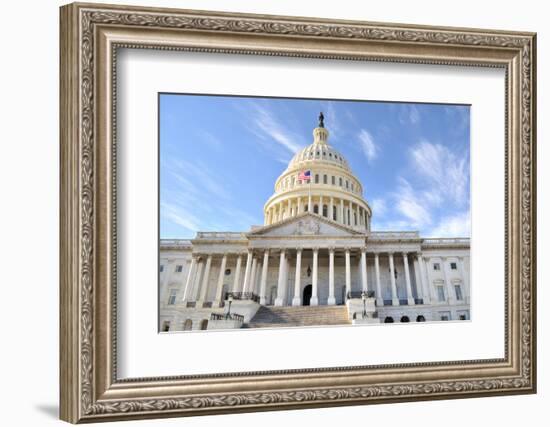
249,283
292,207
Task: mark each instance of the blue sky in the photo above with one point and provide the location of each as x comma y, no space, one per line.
220,157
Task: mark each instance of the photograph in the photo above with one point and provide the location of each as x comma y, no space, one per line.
293,212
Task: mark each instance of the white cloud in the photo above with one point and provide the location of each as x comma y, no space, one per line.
369,147
409,205
266,126
446,173
409,114
457,225
379,207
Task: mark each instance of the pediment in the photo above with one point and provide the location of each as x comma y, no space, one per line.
306,224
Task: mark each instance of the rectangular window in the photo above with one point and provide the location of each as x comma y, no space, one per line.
333,180
352,186
172,297
440,294
458,292
444,317
316,178
161,268
453,265
437,266
165,326
347,184
179,268
325,179
340,181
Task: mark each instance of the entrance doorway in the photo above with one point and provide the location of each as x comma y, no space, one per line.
307,295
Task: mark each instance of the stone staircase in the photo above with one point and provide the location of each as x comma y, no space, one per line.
277,317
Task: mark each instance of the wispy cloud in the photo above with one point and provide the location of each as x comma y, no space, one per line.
265,125
452,226
408,204
409,114
445,173
436,184
370,149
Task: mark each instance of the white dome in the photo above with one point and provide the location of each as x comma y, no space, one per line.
333,190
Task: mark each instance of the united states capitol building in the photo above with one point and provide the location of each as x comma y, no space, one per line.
315,261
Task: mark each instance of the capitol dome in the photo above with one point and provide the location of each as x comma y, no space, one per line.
332,191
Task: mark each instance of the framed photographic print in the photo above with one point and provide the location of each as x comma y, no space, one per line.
265,212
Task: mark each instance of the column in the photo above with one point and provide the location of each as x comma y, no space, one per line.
422,274
252,281
289,205
342,211
310,201
410,299
247,271
237,279
429,280
299,205
219,290
314,298
364,285
281,291
263,281
188,281
197,281
379,296
297,299
394,299
357,215
465,279
321,205
348,274
331,299
204,286
451,296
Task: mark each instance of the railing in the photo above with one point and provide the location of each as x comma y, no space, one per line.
216,235
446,241
359,294
393,235
175,242
227,316
244,296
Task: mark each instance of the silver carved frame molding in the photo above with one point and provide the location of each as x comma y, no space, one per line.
90,37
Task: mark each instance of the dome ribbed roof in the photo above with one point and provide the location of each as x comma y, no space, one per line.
319,152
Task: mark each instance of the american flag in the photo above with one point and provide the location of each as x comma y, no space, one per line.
304,175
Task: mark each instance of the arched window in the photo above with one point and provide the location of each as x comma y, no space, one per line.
388,319
420,318
334,213
315,209
316,178
405,319
325,211
188,325
333,180
355,218
204,324
325,179
349,219
306,207
340,181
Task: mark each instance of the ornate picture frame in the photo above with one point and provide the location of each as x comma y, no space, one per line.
90,37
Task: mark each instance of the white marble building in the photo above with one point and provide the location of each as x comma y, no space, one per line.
315,261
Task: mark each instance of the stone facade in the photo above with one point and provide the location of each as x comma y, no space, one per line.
316,248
